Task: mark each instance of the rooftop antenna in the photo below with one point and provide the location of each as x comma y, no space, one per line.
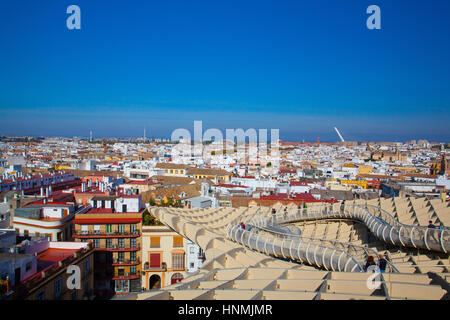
339,134
90,136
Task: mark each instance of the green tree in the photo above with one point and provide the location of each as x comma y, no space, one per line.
149,220
152,202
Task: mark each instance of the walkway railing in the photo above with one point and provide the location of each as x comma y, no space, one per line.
359,253
322,252
313,253
383,225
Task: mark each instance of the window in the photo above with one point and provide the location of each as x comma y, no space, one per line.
132,228
97,229
121,228
177,241
84,229
154,242
108,243
108,228
133,270
121,256
121,243
155,260
192,265
133,243
28,266
41,295
178,261
96,243
192,250
58,287
133,256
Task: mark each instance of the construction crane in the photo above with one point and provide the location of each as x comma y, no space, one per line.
339,134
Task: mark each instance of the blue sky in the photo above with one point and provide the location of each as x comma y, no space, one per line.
300,66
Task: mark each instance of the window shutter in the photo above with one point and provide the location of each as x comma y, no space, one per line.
155,260
177,241
154,242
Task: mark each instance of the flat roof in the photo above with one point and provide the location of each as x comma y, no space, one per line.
100,198
52,255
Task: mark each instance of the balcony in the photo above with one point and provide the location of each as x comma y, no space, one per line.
115,248
99,234
126,262
126,275
147,267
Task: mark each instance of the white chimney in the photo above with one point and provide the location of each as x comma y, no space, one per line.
50,190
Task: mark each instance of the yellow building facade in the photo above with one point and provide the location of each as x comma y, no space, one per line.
164,257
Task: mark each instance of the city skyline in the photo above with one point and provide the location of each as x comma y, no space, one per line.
292,66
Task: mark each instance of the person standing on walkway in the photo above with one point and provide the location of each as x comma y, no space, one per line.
382,263
370,262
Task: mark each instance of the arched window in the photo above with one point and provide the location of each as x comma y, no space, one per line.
177,277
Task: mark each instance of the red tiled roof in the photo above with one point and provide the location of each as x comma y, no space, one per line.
299,183
285,196
54,255
50,203
287,171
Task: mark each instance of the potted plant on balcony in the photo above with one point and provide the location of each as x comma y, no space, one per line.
146,265
164,266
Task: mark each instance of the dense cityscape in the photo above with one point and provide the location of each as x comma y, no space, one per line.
90,202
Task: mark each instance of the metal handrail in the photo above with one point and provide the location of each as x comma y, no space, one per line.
297,252
388,231
378,221
343,244
394,219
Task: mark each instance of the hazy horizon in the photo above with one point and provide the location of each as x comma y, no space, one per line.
302,67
